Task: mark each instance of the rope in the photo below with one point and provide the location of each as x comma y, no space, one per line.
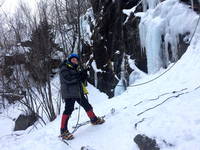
195,29
76,126
155,77
78,119
79,112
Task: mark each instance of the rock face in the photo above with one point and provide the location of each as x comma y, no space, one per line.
194,3
16,59
114,37
23,122
132,42
145,143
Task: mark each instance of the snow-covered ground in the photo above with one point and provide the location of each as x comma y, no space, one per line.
166,109
176,120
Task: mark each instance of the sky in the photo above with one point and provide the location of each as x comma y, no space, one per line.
9,6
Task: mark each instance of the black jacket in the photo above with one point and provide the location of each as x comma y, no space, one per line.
70,80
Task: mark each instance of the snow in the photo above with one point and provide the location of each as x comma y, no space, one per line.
136,74
175,121
7,120
129,11
174,117
9,6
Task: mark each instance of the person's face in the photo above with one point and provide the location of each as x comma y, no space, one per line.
74,60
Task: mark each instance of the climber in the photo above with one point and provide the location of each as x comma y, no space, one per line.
72,80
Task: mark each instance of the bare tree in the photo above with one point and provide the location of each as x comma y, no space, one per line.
2,2
67,22
32,80
38,97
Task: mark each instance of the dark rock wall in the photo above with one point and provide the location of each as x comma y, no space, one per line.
196,4
112,37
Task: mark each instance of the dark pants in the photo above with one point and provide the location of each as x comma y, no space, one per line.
69,104
69,107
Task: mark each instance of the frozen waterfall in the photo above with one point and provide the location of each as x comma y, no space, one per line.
161,27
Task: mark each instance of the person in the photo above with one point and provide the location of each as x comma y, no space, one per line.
72,79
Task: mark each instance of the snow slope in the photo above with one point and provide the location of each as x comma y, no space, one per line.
176,121
166,109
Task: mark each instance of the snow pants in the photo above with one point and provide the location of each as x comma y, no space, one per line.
69,104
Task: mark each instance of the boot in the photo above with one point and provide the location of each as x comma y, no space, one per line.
97,120
66,135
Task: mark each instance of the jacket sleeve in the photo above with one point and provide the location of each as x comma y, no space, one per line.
83,75
69,76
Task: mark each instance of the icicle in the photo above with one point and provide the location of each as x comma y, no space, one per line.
150,37
96,70
152,3
174,46
142,34
95,79
149,4
123,73
144,5
192,3
122,84
166,47
123,68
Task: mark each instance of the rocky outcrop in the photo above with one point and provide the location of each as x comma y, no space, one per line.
111,33
146,143
16,59
86,148
132,42
23,122
195,4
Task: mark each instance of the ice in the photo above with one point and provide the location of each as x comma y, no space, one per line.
119,89
192,3
136,73
149,4
85,28
168,19
122,84
96,70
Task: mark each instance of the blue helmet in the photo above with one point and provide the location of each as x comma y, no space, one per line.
73,56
